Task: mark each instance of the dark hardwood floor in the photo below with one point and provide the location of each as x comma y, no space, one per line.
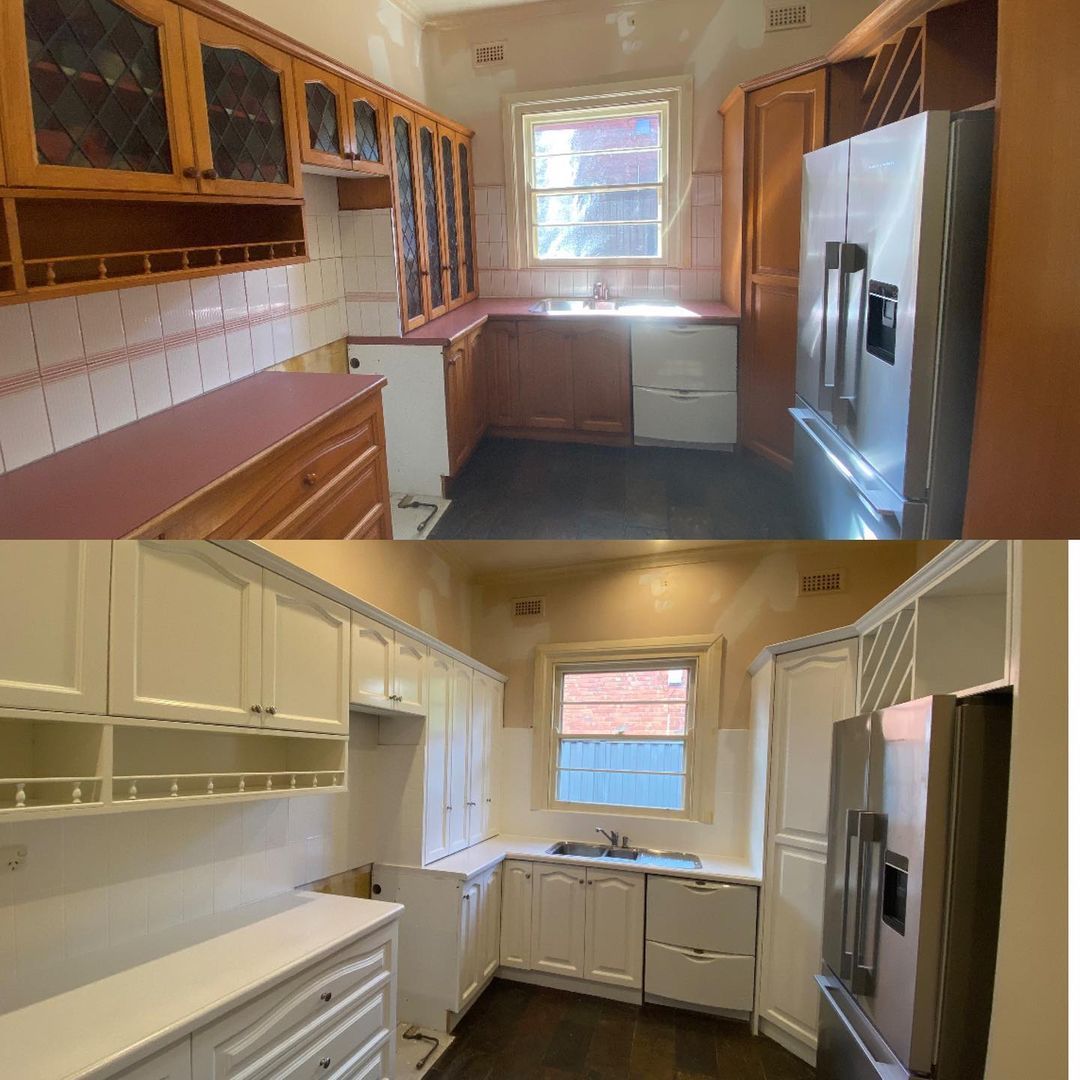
521,1032
521,490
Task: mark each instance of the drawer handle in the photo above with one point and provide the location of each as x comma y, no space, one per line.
701,886
326,995
310,479
325,1063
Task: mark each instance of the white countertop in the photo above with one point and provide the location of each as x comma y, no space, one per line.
475,860
174,983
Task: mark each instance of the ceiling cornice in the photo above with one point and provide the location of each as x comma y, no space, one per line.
411,12
538,9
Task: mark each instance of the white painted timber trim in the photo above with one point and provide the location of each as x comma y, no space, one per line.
811,641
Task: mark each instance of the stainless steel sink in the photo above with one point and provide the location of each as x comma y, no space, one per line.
563,307
672,860
589,306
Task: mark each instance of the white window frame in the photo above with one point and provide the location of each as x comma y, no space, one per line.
672,97
703,655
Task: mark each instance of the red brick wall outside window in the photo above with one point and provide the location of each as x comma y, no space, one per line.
624,702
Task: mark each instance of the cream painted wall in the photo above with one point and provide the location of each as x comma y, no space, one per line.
373,36
578,44
408,580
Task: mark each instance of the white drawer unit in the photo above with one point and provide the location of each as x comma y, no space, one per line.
173,1063
708,915
340,1010
685,417
685,356
698,977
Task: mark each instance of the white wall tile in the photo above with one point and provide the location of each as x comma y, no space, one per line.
258,292
150,381
101,322
213,362
206,295
177,307
142,315
262,346
114,396
385,274
185,379
71,410
297,279
57,332
364,228
233,297
241,357
277,280
283,339
301,333
17,352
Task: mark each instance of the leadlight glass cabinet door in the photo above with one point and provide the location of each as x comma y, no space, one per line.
468,220
94,95
325,136
367,116
455,278
407,215
243,110
433,258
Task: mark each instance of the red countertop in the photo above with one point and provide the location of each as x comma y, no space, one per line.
109,486
449,328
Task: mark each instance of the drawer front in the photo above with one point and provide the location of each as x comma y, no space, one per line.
171,1064
700,417
263,495
685,356
346,1049
706,915
349,510
699,978
252,1042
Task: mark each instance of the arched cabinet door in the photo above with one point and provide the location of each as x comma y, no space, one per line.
94,95
243,110
367,122
325,135
407,220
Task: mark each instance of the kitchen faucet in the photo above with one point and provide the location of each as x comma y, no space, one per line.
600,293
613,837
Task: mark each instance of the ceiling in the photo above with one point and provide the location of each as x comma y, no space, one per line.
496,558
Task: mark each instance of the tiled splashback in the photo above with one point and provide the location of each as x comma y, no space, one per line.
370,268
700,282
74,368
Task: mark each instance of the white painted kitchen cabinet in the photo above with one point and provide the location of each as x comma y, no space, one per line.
614,927
478,948
388,668
516,931
437,757
185,633
55,634
558,920
457,787
810,689
485,719
305,661
173,1063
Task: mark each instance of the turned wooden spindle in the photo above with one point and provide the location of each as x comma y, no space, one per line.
174,788
76,793
146,267
20,796
102,270
133,790
50,273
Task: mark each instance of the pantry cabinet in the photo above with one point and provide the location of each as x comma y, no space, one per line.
458,794
436,840
614,927
558,920
55,633
388,668
485,719
516,931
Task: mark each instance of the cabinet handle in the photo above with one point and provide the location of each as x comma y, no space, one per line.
326,995
209,174
191,173
310,479
487,800
256,708
271,710
325,1063
349,155
449,808
528,877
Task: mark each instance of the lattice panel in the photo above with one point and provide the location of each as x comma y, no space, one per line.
247,124
323,119
97,87
431,216
450,202
888,662
367,132
466,217
410,240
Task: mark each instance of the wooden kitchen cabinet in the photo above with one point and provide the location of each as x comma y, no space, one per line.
500,344
463,147
601,364
453,227
65,126
244,112
322,117
433,221
56,655
407,221
466,398
366,111
545,377
558,920
615,927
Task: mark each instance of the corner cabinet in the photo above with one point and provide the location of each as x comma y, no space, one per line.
243,111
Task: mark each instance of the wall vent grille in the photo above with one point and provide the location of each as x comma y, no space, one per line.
489,54
527,606
787,16
824,581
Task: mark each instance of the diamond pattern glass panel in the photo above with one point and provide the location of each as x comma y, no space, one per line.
247,124
367,131
450,202
431,215
410,240
97,87
323,119
466,218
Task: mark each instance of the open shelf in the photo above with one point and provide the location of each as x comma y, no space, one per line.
51,765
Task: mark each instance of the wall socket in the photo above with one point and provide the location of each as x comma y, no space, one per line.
12,857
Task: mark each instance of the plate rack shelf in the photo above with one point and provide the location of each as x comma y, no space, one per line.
85,765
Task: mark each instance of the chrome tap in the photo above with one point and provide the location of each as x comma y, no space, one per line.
611,837
600,293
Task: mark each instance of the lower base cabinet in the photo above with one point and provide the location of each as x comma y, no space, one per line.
171,1064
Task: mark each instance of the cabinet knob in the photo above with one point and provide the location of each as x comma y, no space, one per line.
310,479
326,995
449,808
191,173
209,174
256,708
349,155
325,1063
271,710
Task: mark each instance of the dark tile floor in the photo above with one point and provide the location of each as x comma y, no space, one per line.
521,1032
521,490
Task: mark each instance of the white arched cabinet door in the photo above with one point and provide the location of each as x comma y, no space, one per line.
372,679
516,931
410,670
436,763
55,657
558,936
305,659
812,689
458,796
615,928
185,639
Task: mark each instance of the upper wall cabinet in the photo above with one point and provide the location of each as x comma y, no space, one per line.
433,271
323,119
452,226
55,633
468,219
407,220
94,95
389,669
243,111
367,127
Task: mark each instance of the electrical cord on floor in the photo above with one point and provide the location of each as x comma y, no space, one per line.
410,503
414,1034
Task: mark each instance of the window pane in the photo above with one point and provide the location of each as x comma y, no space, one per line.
598,242
609,718
654,684
609,133
599,206
598,170
591,771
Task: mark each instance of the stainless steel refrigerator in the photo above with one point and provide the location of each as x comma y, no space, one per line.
913,887
894,237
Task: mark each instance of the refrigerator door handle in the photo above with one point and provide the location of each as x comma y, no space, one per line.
871,833
852,262
830,338
849,926
874,1056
